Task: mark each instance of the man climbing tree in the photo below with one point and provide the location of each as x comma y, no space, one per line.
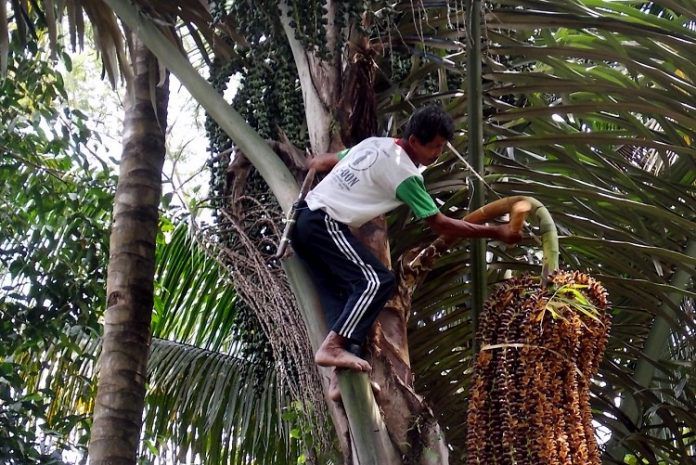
366,181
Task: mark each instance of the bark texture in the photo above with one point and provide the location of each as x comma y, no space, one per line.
126,343
413,429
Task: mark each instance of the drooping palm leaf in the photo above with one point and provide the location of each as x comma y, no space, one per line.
177,20
214,391
219,408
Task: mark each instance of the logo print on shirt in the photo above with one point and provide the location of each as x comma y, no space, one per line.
347,178
364,160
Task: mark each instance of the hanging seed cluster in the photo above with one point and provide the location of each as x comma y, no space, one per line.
268,94
247,215
530,395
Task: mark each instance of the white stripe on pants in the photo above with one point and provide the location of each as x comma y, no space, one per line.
368,295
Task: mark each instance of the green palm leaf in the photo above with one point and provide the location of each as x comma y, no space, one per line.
220,408
214,391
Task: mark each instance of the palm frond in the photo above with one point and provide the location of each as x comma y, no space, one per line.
177,20
214,389
579,96
218,408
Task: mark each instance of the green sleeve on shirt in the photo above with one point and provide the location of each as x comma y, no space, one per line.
342,153
412,192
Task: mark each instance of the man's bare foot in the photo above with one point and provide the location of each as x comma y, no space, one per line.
335,393
332,353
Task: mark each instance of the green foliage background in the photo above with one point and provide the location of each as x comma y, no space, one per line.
589,106
55,203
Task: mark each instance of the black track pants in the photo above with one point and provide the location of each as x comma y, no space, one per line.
353,284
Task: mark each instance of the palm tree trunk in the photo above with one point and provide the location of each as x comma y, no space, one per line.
357,397
126,343
368,436
475,119
320,83
381,430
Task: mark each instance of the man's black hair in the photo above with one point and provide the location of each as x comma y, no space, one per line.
428,122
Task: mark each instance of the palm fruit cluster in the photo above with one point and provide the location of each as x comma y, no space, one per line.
268,98
539,348
268,94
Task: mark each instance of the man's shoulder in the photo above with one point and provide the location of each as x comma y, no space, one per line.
380,142
375,148
387,147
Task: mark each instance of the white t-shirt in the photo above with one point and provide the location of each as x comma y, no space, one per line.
373,178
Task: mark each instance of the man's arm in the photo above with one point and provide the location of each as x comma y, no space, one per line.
446,226
323,163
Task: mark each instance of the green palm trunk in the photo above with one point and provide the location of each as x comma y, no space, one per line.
475,146
126,343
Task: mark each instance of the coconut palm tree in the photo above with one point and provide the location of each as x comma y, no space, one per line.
130,278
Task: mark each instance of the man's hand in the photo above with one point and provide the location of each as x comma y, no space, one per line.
323,163
509,235
451,228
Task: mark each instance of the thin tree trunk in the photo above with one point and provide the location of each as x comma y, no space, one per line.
320,82
122,365
475,145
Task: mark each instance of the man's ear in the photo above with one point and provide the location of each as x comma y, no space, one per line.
412,139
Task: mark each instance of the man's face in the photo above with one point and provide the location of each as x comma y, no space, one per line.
427,153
